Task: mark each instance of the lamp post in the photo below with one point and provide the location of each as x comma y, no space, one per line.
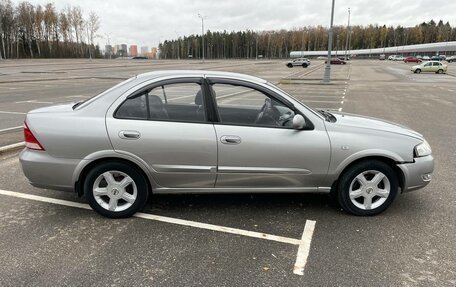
327,76
348,35
178,45
202,30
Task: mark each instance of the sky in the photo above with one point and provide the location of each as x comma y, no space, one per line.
148,22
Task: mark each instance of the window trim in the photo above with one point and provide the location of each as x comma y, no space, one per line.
268,93
141,91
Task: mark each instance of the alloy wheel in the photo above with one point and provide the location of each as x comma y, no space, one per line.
115,191
369,189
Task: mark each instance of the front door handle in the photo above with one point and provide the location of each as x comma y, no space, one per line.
129,135
230,139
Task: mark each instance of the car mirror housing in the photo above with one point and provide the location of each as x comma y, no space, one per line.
299,122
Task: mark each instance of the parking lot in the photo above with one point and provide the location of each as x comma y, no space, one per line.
49,238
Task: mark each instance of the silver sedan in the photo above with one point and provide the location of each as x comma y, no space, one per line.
217,132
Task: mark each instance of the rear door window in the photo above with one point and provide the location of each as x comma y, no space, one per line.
171,102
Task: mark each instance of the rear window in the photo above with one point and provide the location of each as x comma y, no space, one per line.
85,102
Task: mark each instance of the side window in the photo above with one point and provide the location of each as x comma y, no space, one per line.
177,102
246,106
133,108
428,65
173,102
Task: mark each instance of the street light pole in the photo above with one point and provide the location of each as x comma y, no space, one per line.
327,76
202,30
178,45
348,35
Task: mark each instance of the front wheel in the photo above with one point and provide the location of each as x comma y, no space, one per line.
115,189
289,65
304,65
418,71
440,71
367,188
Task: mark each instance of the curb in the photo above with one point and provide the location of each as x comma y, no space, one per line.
11,148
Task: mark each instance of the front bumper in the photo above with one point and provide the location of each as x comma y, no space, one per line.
417,174
45,171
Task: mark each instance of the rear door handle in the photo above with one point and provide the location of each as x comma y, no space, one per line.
129,135
230,139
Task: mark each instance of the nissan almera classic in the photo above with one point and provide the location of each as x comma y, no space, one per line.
217,132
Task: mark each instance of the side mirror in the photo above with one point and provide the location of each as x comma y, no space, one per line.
299,122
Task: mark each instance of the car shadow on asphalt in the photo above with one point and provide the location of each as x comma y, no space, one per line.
283,202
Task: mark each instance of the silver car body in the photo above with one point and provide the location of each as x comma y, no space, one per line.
180,157
298,62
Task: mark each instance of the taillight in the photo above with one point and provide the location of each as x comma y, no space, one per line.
30,141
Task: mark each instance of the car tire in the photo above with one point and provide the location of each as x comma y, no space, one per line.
367,188
418,71
115,189
304,65
440,71
290,65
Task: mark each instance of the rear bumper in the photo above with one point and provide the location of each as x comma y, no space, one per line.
45,171
417,174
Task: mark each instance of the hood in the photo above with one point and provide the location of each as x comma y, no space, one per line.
54,109
365,122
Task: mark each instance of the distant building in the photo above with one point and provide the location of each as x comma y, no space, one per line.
108,51
152,54
154,51
133,51
123,50
144,50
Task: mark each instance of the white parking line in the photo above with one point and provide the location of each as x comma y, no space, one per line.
14,113
77,96
303,243
34,102
304,248
11,129
11,146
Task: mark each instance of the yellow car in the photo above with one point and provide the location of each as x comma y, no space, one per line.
430,66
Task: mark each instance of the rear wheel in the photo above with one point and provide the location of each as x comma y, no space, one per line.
440,71
418,71
289,65
116,189
367,188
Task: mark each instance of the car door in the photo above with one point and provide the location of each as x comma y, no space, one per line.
427,67
257,146
165,126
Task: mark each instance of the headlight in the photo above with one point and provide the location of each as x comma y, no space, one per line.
423,149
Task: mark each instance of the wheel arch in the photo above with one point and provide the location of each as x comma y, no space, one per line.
390,161
87,164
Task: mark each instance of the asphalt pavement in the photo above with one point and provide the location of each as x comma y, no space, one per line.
45,242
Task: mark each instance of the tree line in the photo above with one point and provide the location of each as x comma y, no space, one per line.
278,44
29,31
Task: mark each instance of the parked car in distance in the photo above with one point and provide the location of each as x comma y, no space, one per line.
382,57
399,58
217,132
430,66
451,59
411,59
302,62
391,57
321,58
419,57
426,58
438,58
336,61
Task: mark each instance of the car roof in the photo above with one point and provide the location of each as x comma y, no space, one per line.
197,73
